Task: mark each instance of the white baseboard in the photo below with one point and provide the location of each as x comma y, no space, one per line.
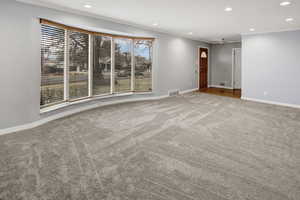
188,91
271,102
219,86
74,111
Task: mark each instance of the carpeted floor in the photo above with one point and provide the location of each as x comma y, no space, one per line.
191,147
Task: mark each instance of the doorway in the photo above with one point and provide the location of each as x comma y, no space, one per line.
203,68
229,88
236,68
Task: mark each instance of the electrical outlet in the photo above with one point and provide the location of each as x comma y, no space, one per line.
265,93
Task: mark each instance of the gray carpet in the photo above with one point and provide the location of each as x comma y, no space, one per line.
195,146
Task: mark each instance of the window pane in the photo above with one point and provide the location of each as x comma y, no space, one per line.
102,65
122,65
143,65
78,65
52,68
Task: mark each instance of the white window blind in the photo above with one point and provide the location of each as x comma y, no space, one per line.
52,68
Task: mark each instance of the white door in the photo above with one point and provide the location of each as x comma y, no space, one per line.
237,73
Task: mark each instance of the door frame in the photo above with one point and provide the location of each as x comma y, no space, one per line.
233,67
208,66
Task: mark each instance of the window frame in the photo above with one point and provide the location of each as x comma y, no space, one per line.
68,66
64,93
152,56
131,90
91,35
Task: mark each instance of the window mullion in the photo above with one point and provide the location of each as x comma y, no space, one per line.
91,64
66,66
132,66
112,67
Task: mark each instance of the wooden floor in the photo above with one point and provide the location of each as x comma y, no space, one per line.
235,93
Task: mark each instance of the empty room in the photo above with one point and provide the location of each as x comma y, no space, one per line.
150,100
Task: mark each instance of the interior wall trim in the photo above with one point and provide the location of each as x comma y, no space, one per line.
271,102
219,86
188,91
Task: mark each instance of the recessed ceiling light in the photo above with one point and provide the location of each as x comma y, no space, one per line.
289,19
155,24
87,6
251,29
285,3
228,9
190,33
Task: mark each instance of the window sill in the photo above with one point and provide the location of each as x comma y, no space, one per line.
88,99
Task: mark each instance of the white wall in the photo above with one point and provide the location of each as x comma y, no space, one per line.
271,67
221,64
174,65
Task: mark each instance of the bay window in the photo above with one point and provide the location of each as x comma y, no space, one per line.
122,65
77,63
52,65
143,65
102,65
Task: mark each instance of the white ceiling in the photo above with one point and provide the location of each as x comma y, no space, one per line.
205,18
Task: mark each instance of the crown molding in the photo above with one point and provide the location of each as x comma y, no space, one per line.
266,32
